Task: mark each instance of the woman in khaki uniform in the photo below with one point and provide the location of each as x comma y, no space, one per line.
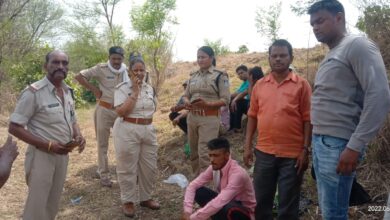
135,138
207,91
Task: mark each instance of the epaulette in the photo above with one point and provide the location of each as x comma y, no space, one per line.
193,72
120,84
221,72
34,87
103,65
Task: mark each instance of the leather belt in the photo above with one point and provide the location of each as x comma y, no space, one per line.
140,121
205,112
106,104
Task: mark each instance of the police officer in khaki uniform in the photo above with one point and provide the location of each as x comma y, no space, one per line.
108,75
135,138
45,118
207,91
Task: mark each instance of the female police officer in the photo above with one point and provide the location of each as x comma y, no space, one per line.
135,138
207,91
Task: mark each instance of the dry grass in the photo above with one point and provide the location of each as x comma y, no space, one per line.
7,96
104,203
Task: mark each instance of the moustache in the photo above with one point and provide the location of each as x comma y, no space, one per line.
60,70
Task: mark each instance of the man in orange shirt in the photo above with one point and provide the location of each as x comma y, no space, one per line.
280,109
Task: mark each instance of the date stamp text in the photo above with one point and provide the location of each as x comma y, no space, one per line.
378,208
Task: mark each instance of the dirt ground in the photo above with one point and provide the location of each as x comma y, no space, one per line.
104,203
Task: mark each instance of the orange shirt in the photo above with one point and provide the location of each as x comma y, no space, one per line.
281,110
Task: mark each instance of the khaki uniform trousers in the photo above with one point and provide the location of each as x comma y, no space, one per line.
104,120
201,129
136,156
45,177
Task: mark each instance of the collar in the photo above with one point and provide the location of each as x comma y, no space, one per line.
227,166
144,84
291,76
52,87
209,70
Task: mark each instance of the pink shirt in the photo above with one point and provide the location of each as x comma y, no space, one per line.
235,184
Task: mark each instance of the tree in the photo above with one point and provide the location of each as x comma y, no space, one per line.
243,49
153,40
24,26
217,46
375,22
89,12
300,7
267,21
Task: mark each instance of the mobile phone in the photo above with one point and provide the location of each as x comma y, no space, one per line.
195,101
71,144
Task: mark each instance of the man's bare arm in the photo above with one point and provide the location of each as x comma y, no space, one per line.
89,86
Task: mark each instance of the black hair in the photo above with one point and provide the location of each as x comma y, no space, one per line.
242,67
47,57
332,6
209,51
219,143
281,43
135,57
116,50
256,73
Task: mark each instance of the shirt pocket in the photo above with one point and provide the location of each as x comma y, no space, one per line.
290,101
54,115
149,100
110,81
212,88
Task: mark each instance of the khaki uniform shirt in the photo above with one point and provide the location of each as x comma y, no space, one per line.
41,110
106,78
146,101
203,85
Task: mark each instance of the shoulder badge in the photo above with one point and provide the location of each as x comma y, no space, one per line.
34,87
193,72
221,72
103,65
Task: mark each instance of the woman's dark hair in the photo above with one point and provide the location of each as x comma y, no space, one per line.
256,73
135,57
209,51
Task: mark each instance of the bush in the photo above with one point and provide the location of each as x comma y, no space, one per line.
243,49
77,90
217,46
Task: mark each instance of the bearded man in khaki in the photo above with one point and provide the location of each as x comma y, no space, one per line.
108,75
44,118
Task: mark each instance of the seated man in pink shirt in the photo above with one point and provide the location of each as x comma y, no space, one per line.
234,196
